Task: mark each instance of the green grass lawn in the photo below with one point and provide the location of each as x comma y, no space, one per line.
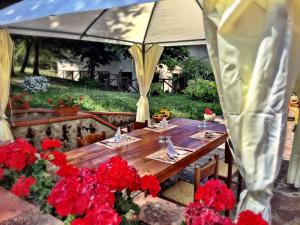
98,100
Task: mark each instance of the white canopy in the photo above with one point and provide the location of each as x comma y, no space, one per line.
165,22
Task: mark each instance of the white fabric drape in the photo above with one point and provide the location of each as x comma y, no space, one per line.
254,50
6,52
294,165
146,58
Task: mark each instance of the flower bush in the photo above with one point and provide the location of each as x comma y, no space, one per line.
212,199
65,100
35,84
20,101
82,196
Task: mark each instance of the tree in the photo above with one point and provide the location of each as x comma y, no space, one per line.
36,63
28,45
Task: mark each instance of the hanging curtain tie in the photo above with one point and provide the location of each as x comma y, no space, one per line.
142,100
3,117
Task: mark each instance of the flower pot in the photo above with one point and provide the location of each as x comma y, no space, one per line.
66,110
209,117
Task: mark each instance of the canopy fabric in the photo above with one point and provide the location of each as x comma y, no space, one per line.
6,53
146,58
165,22
254,50
294,165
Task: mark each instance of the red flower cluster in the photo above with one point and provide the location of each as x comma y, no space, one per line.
50,144
80,193
216,195
249,218
104,215
197,214
150,185
212,198
17,155
90,192
22,187
20,101
208,111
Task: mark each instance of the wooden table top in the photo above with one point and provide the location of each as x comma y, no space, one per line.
91,156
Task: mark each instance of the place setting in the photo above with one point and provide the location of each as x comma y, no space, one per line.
118,141
168,152
207,135
162,126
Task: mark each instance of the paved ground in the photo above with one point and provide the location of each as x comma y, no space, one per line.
286,200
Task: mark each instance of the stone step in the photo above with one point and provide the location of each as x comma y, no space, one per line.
16,211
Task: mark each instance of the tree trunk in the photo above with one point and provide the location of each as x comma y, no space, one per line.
92,68
27,53
36,65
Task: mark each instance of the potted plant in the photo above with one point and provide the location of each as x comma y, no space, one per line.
161,114
65,105
20,101
209,115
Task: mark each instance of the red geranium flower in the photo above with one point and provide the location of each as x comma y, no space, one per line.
22,187
67,171
49,100
60,159
208,111
215,194
197,214
118,175
150,184
1,173
249,218
104,215
49,144
17,155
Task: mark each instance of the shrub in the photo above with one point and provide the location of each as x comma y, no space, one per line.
35,84
156,89
203,90
89,82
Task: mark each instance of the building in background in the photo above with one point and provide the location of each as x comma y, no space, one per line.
121,75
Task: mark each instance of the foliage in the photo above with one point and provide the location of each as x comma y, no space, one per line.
177,52
65,100
156,89
35,84
97,100
203,90
20,101
213,198
89,82
197,68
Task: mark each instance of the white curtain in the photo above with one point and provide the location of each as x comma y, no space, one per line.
294,165
6,52
254,48
146,58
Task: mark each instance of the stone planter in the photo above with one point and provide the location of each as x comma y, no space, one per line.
66,110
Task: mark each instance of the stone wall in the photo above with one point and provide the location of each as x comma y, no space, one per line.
119,119
66,131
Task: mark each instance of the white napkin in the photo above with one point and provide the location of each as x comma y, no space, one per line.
171,151
164,122
118,135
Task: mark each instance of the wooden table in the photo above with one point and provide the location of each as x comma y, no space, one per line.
135,153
